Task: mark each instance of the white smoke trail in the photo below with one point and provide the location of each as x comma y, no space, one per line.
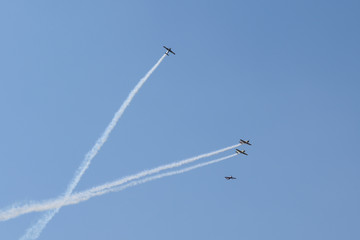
98,191
34,231
19,210
83,196
158,169
86,195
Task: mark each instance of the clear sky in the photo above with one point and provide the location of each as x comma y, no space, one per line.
284,74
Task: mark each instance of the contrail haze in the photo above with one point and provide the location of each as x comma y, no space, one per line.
96,191
34,231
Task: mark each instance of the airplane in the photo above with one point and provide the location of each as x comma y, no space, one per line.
168,50
231,177
240,151
245,142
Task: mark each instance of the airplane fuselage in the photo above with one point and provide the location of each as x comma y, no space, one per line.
245,142
240,151
168,50
231,177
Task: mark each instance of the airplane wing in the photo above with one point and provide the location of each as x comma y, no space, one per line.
171,52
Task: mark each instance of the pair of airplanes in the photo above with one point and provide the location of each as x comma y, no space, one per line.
243,151
238,152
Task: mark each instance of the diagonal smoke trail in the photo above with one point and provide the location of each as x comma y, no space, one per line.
86,195
160,168
83,196
34,231
57,203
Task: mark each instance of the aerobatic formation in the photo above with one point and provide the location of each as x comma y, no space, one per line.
239,152
52,206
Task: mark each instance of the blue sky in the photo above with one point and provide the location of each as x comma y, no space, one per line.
284,74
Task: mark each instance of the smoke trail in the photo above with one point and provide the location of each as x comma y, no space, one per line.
36,207
83,196
34,231
160,168
86,195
